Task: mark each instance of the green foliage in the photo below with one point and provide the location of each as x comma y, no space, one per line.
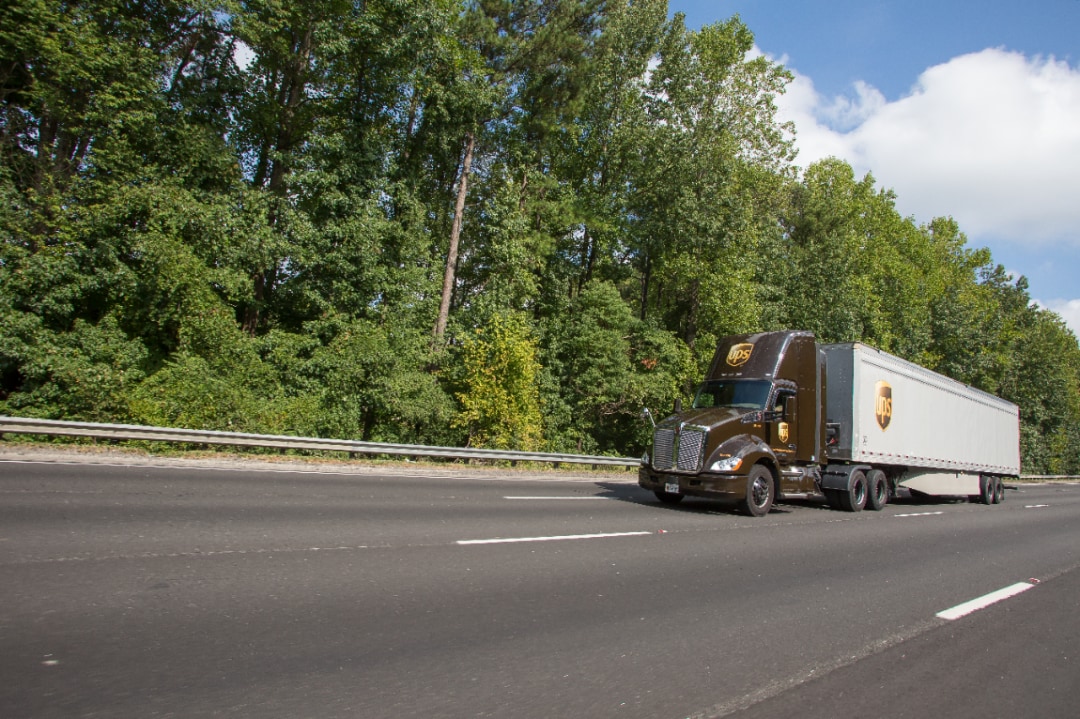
237,214
500,400
84,374
367,381
188,393
706,192
604,365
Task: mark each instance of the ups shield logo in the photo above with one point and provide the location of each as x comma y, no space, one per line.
739,354
883,405
783,431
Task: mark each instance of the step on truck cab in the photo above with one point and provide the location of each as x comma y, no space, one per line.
780,416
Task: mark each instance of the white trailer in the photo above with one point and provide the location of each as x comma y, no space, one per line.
935,435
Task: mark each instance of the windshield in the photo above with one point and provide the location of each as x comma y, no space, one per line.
744,394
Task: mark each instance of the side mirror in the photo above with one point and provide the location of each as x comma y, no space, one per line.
678,405
762,416
753,417
646,414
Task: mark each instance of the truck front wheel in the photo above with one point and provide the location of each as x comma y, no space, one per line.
760,492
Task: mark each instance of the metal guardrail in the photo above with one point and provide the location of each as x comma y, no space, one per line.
131,432
1050,476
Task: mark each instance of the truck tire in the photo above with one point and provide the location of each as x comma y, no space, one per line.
986,490
877,490
1000,491
854,499
668,497
760,492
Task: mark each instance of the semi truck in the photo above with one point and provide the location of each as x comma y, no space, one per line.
780,416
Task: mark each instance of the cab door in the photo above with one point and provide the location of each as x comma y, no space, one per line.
784,435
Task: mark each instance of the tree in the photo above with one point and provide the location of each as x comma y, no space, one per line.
522,74
715,163
602,366
598,154
500,400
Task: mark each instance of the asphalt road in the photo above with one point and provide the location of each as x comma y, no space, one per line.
134,591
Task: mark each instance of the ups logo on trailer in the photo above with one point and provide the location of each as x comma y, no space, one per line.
739,354
883,405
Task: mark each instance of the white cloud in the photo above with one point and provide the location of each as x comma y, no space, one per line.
1069,310
991,138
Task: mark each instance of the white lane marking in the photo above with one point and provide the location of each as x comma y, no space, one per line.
360,471
1036,506
197,553
512,540
962,610
919,514
559,498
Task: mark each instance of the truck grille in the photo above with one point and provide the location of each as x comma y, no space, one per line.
678,450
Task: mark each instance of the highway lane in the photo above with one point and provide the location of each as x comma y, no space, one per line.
148,591
1016,658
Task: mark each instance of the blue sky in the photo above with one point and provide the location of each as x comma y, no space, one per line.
965,108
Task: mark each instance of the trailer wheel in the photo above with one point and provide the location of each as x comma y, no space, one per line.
877,487
986,490
854,499
668,497
999,490
760,492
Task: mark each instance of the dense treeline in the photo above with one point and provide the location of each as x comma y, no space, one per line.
496,222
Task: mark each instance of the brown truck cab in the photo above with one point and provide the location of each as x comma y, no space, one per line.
755,430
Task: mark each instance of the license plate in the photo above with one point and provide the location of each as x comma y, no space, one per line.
671,488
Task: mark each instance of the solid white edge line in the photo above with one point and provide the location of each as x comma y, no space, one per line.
513,540
962,610
558,498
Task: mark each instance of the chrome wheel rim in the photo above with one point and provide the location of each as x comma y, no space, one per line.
760,491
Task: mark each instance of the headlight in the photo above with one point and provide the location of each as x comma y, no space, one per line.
728,464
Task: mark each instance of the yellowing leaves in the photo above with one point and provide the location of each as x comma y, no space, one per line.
501,402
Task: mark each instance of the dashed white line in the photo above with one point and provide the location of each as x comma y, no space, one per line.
1035,506
919,514
193,554
514,540
962,610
